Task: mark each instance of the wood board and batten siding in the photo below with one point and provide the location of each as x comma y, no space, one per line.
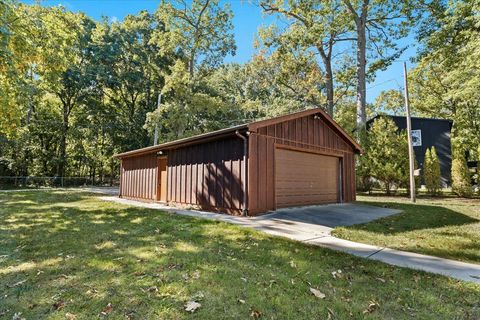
139,177
307,134
293,160
209,175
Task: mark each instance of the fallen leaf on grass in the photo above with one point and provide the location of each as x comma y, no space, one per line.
381,279
107,309
16,284
317,293
255,314
241,301
372,306
192,306
59,305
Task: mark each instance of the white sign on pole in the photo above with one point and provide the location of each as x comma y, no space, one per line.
416,138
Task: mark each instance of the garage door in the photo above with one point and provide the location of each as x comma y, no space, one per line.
305,178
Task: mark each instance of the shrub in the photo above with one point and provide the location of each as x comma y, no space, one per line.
431,172
460,176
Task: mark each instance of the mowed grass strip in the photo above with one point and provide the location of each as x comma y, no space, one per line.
443,227
69,255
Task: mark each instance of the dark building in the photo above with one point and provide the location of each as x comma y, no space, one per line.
428,132
299,159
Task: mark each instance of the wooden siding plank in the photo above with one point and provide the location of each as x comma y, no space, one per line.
253,173
270,176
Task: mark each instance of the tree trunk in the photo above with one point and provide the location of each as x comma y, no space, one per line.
63,143
361,75
329,86
327,61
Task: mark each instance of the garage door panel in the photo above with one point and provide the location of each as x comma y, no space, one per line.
305,178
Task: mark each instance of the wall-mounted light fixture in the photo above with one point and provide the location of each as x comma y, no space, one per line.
160,152
317,117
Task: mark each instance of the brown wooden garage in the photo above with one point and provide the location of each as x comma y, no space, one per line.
299,159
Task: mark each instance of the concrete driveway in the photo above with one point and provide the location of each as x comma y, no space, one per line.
320,220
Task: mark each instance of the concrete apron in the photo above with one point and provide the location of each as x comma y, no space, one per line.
319,235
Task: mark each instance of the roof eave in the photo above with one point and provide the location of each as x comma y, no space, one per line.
209,136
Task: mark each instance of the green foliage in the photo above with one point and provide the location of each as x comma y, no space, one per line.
390,102
74,91
446,79
312,28
431,172
460,176
200,31
386,155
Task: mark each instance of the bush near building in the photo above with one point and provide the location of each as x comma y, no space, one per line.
431,172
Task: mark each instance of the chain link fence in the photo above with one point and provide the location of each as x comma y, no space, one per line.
14,182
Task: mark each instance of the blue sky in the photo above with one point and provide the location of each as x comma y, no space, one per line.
247,19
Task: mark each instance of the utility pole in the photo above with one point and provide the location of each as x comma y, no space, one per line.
155,136
409,135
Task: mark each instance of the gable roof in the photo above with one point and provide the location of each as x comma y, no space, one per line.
252,126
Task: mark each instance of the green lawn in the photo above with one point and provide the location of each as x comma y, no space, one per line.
443,227
68,255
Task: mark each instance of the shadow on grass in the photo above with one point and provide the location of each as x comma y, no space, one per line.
413,217
84,253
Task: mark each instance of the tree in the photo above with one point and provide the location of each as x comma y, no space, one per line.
386,154
313,26
431,172
390,102
446,79
460,176
377,24
19,55
200,31
200,35
130,72
63,66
